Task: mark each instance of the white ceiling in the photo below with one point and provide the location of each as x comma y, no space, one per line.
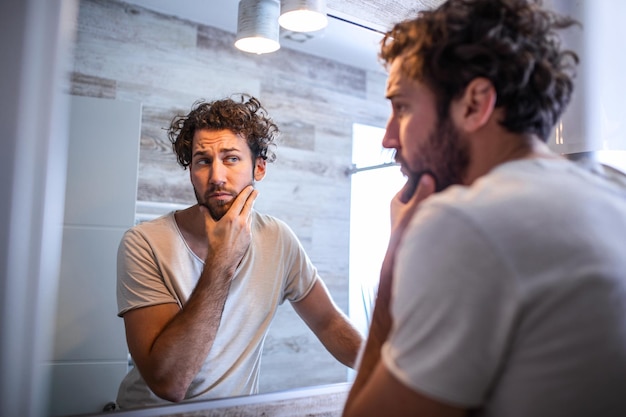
354,42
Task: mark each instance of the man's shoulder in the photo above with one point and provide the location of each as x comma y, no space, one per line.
266,220
510,183
268,224
493,199
156,227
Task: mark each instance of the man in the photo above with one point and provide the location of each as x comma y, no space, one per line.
504,295
198,288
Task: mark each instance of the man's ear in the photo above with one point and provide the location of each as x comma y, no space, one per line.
476,106
259,168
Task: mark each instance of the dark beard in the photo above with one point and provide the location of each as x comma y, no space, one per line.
450,155
217,209
446,161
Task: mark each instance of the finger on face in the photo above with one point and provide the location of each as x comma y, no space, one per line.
249,203
417,187
406,202
408,190
244,202
425,187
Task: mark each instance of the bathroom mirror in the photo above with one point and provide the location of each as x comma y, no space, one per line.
154,59
34,161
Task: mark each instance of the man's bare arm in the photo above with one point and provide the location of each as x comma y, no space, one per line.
330,325
169,344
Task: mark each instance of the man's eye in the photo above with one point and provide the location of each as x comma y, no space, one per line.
231,159
202,162
399,108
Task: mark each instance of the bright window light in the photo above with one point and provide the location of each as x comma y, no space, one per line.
372,191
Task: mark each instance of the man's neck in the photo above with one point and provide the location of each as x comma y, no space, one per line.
487,153
190,222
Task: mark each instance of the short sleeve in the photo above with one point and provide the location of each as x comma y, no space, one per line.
453,303
139,280
301,273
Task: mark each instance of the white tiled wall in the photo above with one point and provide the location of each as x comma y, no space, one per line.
90,355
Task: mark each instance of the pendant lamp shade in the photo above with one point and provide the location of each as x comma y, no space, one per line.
257,27
303,15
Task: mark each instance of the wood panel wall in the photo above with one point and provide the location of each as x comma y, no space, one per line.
130,53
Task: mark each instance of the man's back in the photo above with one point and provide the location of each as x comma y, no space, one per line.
529,315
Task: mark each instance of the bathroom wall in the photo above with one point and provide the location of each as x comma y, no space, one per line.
166,64
90,356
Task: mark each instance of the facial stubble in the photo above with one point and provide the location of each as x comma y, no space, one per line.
219,208
446,159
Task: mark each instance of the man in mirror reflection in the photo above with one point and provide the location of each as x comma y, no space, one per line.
503,290
199,287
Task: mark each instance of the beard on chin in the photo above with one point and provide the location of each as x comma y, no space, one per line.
217,208
445,157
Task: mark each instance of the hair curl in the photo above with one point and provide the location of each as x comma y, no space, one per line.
246,117
513,43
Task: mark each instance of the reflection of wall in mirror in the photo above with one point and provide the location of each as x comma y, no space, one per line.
100,200
129,53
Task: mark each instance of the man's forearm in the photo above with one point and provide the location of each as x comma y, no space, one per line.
179,351
379,328
343,341
330,324
378,333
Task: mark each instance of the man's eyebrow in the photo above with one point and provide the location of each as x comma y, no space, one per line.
395,92
392,93
223,150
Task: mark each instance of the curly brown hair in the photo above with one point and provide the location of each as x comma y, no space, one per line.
245,117
513,43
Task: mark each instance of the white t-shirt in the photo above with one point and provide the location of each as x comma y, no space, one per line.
509,296
156,266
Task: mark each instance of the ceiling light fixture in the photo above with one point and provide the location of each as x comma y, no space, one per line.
303,15
257,26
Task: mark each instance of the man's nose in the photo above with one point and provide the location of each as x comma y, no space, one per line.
218,173
392,135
